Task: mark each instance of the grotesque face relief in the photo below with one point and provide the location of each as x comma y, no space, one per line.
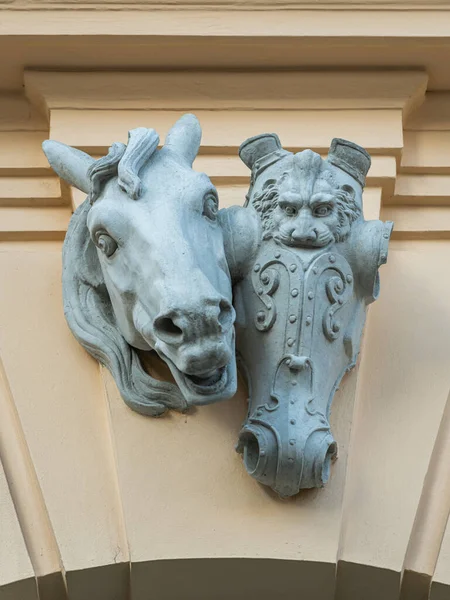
305,207
300,302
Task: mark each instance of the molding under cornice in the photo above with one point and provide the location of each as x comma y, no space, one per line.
296,90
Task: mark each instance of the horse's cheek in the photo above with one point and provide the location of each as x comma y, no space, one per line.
217,243
118,280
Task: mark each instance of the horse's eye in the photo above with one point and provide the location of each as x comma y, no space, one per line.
322,211
106,244
210,207
290,211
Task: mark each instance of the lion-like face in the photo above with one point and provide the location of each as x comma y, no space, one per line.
306,221
306,209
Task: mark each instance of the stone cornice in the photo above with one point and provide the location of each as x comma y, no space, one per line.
246,37
115,5
221,20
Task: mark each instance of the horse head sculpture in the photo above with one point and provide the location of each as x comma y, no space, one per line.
302,287
144,268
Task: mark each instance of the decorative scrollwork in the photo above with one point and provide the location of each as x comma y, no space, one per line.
266,283
316,256
338,292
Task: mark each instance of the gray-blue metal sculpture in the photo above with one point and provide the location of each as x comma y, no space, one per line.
300,299
149,264
144,268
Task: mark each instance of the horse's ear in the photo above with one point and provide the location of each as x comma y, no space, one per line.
70,164
184,137
89,314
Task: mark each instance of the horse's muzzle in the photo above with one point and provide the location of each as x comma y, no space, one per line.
178,326
205,371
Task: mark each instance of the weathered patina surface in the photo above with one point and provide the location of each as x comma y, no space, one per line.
149,264
145,268
301,299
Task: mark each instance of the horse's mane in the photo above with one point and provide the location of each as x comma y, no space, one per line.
124,162
87,306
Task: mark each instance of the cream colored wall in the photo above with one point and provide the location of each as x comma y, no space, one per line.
94,488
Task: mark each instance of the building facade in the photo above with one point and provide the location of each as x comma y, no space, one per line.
99,502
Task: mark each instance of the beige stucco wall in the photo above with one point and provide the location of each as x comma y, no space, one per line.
88,488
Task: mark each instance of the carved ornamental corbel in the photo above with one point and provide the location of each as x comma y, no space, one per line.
304,263
136,277
300,295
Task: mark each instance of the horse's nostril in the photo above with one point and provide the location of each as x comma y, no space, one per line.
166,329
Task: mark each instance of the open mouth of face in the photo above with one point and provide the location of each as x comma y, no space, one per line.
208,387
307,245
212,382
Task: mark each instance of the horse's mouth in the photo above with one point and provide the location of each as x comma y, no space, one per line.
205,388
208,383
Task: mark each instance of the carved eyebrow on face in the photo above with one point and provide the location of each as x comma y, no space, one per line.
297,200
322,198
291,198
111,220
198,186
204,180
